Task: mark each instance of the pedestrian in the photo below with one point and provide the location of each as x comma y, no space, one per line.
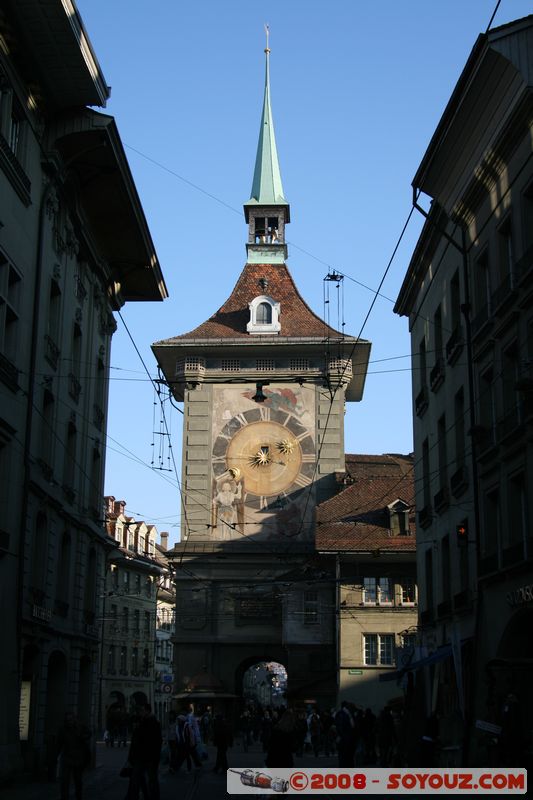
386,736
266,730
429,742
368,733
282,742
144,756
222,739
193,737
182,749
172,742
206,724
315,730
74,755
346,736
245,723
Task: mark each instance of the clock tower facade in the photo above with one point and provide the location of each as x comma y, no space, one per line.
264,382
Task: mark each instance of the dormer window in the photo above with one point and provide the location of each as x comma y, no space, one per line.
399,518
264,316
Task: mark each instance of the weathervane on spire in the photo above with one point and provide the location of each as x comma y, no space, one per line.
267,31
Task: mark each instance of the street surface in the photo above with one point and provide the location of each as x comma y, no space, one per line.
104,783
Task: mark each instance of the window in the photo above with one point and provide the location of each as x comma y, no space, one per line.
230,365
445,566
379,649
517,509
407,591
443,452
126,581
426,486
123,660
459,427
148,586
125,620
437,332
455,301
113,619
138,584
147,623
111,659
511,398
482,287
90,582
69,467
265,365
491,527
134,660
506,257
63,571
136,622
422,364
487,404
264,315
47,421
10,293
311,608
298,364
429,581
377,590
146,660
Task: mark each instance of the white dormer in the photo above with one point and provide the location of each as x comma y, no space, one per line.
264,315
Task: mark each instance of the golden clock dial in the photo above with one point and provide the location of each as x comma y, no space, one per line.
267,455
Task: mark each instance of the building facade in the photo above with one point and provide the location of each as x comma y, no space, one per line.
164,633
264,382
129,615
74,246
369,529
468,297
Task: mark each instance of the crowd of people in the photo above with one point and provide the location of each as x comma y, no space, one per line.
356,737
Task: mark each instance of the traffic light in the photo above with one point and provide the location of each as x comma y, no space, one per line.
461,532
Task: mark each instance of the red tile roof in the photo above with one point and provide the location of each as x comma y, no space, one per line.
296,318
357,518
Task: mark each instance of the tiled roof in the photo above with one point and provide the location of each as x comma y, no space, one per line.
357,518
230,320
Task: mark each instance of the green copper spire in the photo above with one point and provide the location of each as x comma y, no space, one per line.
266,188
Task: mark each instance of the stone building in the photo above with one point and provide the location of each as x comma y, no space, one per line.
129,614
74,246
164,633
468,295
264,382
369,529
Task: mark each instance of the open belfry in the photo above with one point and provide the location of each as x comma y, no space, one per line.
264,383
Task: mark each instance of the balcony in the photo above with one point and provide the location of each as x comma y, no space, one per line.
422,402
454,345
191,371
41,613
437,375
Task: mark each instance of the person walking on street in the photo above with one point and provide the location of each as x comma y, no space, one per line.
386,734
74,755
315,730
282,742
144,756
346,736
222,739
182,748
172,742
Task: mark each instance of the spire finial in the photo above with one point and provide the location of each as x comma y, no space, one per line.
267,31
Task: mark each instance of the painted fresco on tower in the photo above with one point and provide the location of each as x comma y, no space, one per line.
263,463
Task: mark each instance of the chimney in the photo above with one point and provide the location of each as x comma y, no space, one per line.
164,540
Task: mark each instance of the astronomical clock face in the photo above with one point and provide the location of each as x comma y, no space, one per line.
263,458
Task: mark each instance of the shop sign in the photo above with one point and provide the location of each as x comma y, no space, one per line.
524,594
355,672
24,710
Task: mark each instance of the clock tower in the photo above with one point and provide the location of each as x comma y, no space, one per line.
264,383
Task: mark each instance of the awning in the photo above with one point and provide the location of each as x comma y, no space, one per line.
439,655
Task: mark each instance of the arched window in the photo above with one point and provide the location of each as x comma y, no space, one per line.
263,314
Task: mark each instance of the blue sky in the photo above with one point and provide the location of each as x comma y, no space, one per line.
357,90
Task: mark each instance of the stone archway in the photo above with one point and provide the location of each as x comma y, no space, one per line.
264,684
